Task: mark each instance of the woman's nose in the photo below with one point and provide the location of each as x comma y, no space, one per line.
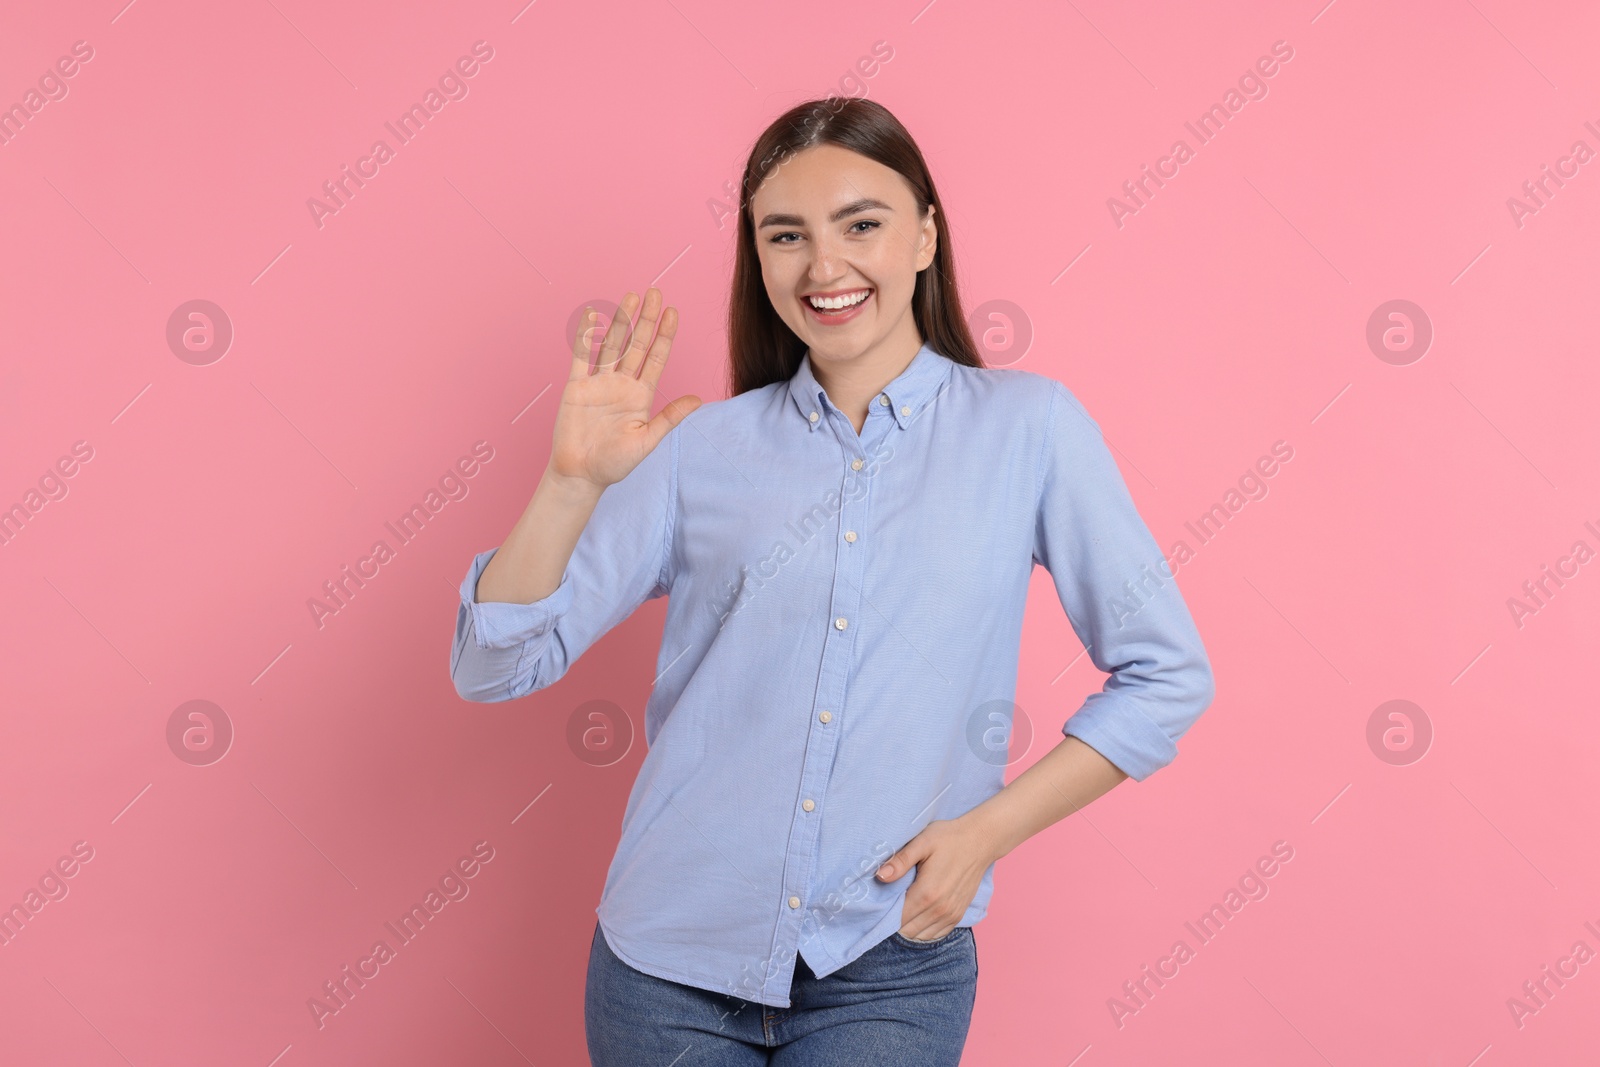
824,263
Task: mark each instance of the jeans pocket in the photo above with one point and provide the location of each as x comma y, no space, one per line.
955,931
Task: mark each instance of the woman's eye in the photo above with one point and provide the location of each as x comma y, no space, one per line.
872,224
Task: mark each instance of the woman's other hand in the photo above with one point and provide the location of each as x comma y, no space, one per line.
950,856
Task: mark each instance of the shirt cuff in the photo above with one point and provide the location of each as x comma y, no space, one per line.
507,625
1120,731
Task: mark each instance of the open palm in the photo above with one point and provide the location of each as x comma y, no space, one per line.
603,428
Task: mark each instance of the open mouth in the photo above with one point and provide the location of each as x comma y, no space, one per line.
839,308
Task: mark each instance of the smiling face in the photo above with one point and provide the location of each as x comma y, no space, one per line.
833,227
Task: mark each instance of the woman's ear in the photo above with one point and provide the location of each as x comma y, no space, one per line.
928,245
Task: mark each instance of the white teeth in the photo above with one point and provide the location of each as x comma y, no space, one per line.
835,303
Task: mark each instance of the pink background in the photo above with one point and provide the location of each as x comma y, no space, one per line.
429,313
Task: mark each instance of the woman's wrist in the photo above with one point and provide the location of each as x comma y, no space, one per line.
995,826
570,487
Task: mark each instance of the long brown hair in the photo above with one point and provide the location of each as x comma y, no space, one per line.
761,347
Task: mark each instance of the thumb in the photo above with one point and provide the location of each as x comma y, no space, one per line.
670,416
913,853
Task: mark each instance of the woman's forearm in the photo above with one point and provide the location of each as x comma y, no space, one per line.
1065,779
534,556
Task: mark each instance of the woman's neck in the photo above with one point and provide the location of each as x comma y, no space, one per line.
852,383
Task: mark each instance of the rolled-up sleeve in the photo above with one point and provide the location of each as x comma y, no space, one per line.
1120,597
622,558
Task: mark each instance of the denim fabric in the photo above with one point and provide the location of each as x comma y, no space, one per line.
902,1003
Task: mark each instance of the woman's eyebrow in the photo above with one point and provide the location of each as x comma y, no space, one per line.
866,203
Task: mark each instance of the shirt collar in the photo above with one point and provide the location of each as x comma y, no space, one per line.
911,391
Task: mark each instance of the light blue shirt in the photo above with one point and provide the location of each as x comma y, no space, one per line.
840,650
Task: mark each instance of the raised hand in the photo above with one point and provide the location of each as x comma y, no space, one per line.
603,427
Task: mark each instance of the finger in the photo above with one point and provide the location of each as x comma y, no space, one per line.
916,927
643,331
583,344
656,361
908,857
915,916
927,914
611,348
926,933
670,416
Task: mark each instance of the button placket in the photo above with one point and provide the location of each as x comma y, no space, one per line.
832,688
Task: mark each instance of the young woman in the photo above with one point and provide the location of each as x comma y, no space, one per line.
846,544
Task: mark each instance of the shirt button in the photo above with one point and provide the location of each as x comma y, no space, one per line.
905,411
849,535
808,804
855,464
813,416
839,623
883,398
826,716
794,902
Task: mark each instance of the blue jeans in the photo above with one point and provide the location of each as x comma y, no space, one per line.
902,1003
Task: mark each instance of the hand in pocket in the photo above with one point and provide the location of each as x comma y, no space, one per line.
949,856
